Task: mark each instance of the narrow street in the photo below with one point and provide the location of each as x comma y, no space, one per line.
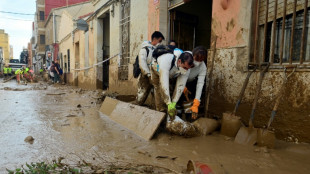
64,122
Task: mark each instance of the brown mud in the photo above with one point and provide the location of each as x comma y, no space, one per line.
289,122
62,129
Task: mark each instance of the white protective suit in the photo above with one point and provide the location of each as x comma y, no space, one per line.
162,67
200,72
144,60
144,83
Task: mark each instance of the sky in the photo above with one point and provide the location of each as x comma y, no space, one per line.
19,31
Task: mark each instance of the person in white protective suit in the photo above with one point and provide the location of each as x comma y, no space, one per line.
196,79
145,59
165,68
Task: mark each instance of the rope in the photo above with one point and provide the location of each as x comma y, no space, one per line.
86,68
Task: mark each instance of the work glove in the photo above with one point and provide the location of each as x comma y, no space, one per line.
186,92
172,111
194,108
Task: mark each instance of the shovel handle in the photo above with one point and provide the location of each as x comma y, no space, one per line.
280,94
251,118
258,89
273,113
243,89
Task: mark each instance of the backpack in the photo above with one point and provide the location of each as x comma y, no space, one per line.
60,71
136,67
160,50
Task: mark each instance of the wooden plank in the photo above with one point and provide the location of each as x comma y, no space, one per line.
142,121
108,105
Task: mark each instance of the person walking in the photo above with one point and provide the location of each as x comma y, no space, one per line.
57,72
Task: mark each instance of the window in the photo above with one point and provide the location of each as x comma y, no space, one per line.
42,39
42,15
65,63
281,32
125,30
61,61
68,53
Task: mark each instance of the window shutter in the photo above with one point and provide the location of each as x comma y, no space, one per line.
289,9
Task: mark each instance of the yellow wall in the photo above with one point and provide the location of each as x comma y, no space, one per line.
66,42
4,43
84,78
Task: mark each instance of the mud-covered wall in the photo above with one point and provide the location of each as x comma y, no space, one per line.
85,79
138,33
231,23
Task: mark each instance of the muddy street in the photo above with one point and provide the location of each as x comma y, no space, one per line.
64,122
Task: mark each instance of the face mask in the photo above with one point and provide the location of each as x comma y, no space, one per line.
182,70
158,44
196,63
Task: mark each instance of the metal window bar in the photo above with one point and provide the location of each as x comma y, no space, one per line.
256,30
125,40
274,31
292,55
303,33
265,31
282,34
292,34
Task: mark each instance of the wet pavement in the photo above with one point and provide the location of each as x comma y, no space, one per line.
64,122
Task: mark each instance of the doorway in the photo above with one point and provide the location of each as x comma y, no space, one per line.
77,63
190,24
106,51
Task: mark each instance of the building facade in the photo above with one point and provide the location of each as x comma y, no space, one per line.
4,43
249,33
245,32
39,35
44,54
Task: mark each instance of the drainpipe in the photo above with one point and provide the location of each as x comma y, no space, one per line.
54,29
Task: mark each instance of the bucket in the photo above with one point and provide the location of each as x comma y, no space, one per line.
195,167
230,125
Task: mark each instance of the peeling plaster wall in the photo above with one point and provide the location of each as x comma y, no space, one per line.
232,26
153,17
229,24
86,78
138,33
